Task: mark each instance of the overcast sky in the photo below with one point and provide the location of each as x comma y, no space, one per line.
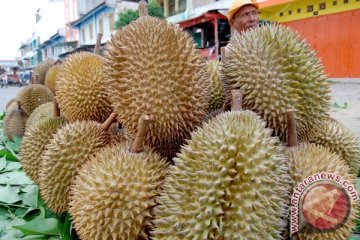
17,22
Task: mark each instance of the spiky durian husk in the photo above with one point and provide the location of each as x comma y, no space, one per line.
41,70
213,114
309,159
14,123
114,193
11,105
153,68
81,90
32,96
339,140
52,76
41,113
217,93
277,70
33,145
229,182
119,134
71,146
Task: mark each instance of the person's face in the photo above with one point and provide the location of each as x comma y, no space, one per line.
247,17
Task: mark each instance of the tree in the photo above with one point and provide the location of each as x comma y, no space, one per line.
131,15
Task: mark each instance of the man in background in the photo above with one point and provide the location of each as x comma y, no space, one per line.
243,15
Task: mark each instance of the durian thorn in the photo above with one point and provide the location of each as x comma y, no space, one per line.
98,43
106,125
291,127
56,107
138,145
143,9
59,61
236,100
222,50
19,105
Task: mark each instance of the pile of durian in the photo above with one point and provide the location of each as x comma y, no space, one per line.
150,141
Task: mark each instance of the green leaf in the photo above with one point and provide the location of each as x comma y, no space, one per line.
3,163
13,146
8,195
8,155
36,237
4,213
28,188
40,226
65,232
15,178
31,198
13,166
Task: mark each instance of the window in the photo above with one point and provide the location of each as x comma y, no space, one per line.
334,3
290,12
310,8
91,29
281,14
346,1
101,25
299,10
111,22
322,6
83,32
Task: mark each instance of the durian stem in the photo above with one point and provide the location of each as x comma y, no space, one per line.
56,107
291,125
98,43
138,145
222,50
236,100
106,125
143,9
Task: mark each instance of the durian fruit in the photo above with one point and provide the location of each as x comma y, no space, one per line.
119,134
42,112
70,147
113,195
153,67
339,140
276,69
32,96
81,90
229,182
34,142
12,104
52,76
309,159
217,93
41,69
14,123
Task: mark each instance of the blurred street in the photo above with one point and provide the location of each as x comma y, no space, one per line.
6,94
345,102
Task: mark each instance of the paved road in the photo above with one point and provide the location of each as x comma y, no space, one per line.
344,92
6,94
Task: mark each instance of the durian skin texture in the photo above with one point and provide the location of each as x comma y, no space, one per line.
71,146
14,124
114,193
217,93
229,182
33,145
276,70
41,70
32,96
52,76
153,67
339,140
42,112
308,159
81,90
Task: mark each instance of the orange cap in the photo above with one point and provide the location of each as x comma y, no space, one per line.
237,4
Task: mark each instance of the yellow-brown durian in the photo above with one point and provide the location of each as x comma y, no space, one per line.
81,89
32,96
153,67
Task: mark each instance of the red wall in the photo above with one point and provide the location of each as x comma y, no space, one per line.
336,39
